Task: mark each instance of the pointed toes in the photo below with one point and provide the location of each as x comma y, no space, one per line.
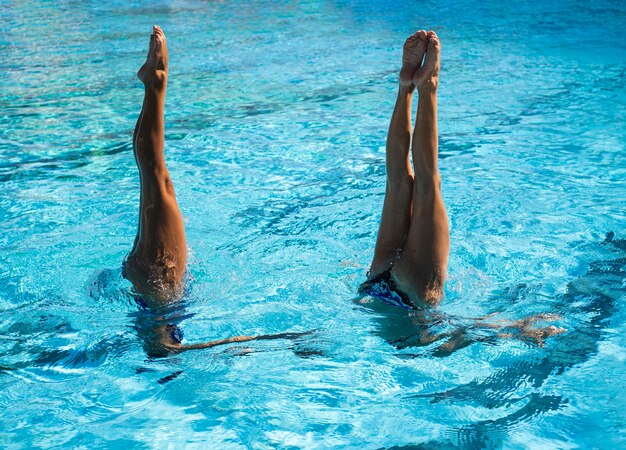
158,31
433,39
417,36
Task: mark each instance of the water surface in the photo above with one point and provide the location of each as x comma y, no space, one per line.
276,119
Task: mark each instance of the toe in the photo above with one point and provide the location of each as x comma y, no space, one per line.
433,41
422,34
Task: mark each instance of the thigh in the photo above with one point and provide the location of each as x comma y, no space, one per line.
422,267
394,224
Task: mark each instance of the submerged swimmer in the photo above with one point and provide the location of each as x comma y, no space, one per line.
411,254
156,264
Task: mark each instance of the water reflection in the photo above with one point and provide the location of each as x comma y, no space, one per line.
588,305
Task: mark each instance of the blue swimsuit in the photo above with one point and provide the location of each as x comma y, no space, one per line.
383,287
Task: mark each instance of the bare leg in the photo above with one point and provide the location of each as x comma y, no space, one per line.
421,270
157,262
396,215
135,134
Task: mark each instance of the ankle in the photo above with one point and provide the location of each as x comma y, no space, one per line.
156,80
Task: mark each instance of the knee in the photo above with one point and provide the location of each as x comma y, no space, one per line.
159,178
402,183
162,177
428,185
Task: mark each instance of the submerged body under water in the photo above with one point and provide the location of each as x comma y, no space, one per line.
275,129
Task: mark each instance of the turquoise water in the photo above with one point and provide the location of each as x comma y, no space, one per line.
276,119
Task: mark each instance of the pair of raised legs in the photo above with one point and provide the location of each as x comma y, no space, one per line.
413,239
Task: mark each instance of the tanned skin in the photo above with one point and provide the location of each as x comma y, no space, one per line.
413,238
156,264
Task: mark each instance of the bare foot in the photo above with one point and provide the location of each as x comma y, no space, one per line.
153,73
412,55
427,76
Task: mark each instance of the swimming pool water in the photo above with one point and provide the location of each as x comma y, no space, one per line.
276,118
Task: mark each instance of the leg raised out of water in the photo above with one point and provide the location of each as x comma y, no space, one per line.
396,215
421,270
157,261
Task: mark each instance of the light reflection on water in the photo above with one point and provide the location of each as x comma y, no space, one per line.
276,118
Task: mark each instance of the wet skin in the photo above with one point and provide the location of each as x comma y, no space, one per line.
156,264
413,237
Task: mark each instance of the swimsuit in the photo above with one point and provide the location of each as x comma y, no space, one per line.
176,334
383,287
